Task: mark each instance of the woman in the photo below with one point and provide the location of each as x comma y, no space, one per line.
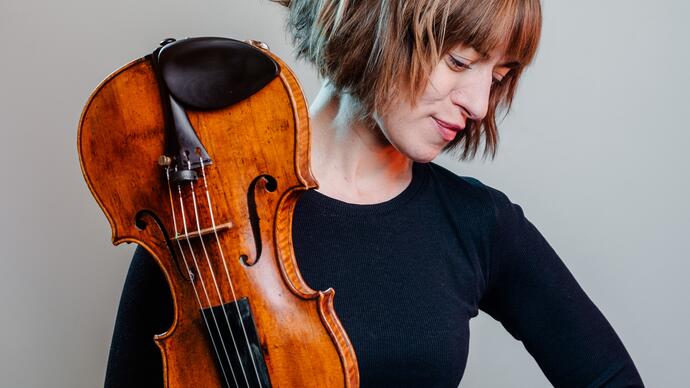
412,250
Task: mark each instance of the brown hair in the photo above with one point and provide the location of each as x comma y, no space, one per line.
372,49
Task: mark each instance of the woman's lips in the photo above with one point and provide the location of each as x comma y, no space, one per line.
447,130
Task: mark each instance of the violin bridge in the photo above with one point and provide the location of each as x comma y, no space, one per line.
202,232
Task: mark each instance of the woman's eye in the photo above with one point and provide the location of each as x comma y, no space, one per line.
459,64
498,77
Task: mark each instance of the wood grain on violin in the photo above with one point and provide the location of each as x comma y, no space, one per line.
220,228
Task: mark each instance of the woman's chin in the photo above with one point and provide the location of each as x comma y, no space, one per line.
423,154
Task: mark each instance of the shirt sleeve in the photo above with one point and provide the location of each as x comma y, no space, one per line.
146,309
539,302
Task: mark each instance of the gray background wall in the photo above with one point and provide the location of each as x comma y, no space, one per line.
595,150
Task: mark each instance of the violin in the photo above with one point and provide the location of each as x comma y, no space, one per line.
199,152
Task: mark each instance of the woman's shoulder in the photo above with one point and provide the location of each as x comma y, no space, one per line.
467,188
444,173
488,208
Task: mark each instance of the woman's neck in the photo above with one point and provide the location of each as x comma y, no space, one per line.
352,162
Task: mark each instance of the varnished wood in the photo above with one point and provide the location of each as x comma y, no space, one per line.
205,231
120,141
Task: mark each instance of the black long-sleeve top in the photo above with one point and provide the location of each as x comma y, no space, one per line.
409,274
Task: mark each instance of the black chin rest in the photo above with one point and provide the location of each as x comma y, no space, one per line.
211,73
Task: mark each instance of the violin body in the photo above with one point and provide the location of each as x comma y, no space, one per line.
219,229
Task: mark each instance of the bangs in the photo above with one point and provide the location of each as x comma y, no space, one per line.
381,51
488,25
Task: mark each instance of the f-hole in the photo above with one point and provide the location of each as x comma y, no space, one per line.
141,224
270,185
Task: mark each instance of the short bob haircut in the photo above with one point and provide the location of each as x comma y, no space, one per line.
375,49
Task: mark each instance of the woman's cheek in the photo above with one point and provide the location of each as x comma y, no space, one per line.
440,84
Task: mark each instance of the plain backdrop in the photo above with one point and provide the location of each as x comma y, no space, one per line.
595,150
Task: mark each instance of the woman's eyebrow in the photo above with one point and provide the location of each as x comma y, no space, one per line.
484,56
510,64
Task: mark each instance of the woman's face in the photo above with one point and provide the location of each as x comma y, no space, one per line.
457,91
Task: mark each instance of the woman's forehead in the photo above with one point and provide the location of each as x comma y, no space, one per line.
505,30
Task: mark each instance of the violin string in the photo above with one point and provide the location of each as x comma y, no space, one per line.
227,272
191,278
201,278
215,282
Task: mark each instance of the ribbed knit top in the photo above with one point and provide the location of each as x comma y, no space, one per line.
409,273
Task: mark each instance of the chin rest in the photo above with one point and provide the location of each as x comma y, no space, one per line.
210,73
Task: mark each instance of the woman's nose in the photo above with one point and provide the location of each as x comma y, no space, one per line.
472,95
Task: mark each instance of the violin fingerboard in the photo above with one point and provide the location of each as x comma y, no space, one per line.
233,339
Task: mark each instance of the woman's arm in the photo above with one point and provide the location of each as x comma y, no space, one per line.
145,310
536,298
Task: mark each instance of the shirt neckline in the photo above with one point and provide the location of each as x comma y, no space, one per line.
333,205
